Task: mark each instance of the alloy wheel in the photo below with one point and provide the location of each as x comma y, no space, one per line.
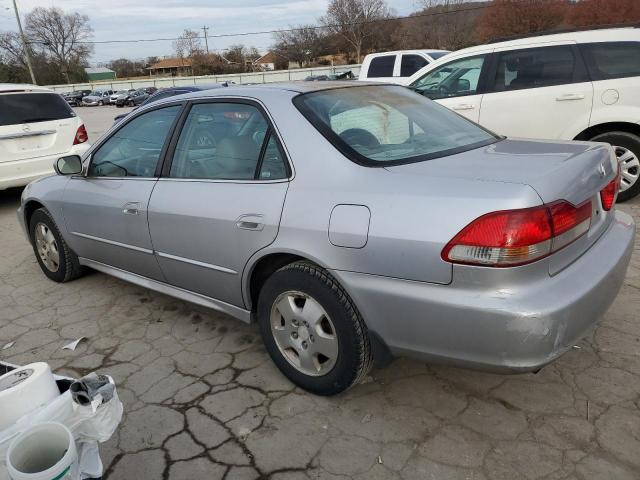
304,333
47,247
629,167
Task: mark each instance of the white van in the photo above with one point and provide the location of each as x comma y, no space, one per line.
396,67
581,85
37,126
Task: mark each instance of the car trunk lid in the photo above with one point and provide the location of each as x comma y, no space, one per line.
571,171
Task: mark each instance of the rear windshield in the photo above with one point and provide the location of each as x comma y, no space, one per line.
389,125
17,108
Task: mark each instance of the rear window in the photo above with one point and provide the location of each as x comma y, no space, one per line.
381,66
17,108
612,59
389,125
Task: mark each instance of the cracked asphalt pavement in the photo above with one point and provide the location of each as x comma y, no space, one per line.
203,400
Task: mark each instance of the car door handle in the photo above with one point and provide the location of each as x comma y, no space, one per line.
131,208
570,96
464,106
250,221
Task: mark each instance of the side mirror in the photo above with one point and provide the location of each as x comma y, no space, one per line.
71,165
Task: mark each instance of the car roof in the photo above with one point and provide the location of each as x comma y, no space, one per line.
22,87
399,52
578,36
295,87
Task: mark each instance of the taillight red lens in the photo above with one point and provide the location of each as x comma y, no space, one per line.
81,135
516,237
609,193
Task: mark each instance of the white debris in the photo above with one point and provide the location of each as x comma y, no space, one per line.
8,345
72,346
366,418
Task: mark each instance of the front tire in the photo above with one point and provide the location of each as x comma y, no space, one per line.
627,148
100,103
56,259
312,330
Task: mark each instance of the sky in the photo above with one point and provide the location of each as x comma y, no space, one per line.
145,19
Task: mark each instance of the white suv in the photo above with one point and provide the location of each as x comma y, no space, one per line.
396,67
37,126
583,85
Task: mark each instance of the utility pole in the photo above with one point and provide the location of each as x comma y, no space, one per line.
206,39
24,44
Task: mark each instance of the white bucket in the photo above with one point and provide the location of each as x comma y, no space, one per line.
46,451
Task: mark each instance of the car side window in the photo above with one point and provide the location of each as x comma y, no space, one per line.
134,149
226,141
534,68
410,64
381,66
612,59
454,79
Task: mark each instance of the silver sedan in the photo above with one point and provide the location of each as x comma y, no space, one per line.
353,222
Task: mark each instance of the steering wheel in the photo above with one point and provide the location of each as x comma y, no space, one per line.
359,136
443,90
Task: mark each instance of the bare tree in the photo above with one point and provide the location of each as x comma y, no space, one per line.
354,20
11,49
62,36
450,24
301,44
188,44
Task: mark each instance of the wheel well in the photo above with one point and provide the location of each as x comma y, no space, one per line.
29,208
608,127
265,267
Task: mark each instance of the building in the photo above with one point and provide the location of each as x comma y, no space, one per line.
99,73
171,67
267,62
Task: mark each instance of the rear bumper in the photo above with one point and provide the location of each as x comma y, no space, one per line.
509,328
19,173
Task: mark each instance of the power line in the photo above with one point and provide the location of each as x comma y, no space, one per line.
314,27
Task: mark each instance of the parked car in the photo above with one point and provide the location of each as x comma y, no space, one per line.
75,98
132,99
97,97
37,126
171,92
115,95
397,67
582,85
457,245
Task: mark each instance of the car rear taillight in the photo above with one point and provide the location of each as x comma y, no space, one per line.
81,135
609,193
516,237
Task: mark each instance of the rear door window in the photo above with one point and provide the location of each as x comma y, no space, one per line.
411,64
227,141
381,66
612,59
17,108
534,68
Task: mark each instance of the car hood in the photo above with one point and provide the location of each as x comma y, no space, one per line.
569,170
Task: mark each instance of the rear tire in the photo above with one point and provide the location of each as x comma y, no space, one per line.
629,155
100,103
297,343
56,259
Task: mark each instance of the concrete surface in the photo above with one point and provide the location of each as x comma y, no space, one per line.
97,120
203,400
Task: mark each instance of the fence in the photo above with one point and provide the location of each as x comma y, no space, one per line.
163,82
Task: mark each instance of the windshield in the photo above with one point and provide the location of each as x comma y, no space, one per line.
383,125
96,93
